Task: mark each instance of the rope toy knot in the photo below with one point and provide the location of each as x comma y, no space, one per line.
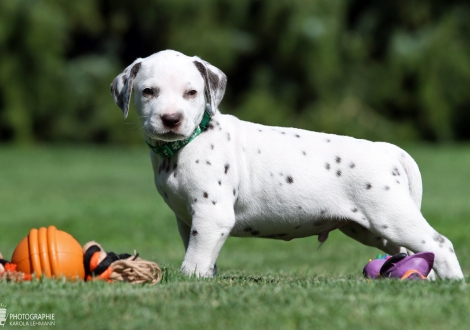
113,267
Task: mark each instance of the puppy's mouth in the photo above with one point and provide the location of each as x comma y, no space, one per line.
167,136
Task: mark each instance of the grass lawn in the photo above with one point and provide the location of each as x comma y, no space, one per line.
106,194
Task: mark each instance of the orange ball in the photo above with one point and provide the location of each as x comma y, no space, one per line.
49,252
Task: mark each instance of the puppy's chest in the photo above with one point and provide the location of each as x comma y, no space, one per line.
168,181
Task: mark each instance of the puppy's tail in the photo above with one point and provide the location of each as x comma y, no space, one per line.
414,177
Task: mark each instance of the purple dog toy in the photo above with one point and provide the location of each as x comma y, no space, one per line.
401,265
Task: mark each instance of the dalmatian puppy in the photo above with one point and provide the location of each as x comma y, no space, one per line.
223,177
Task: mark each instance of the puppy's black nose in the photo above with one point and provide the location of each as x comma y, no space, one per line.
171,120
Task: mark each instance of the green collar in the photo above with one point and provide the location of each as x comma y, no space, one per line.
168,149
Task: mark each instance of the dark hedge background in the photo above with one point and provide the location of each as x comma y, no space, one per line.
384,70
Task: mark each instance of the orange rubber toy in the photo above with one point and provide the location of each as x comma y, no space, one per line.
49,252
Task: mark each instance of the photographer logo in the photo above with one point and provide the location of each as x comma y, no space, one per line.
25,319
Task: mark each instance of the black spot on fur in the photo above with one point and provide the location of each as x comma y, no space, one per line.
234,192
451,250
208,162
222,234
259,151
338,173
283,132
384,226
214,202
228,137
338,159
352,165
194,232
327,166
197,161
220,183
195,200
439,238
387,188
289,179
212,146
423,241
297,135
368,186
398,182
226,167
260,130
395,171
322,212
205,194
328,140
354,210
304,153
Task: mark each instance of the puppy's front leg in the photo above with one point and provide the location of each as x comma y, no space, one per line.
210,228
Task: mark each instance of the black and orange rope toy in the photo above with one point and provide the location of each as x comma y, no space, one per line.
113,267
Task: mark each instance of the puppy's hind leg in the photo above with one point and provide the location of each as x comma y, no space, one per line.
366,237
404,225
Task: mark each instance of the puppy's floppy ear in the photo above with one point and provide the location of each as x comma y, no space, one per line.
122,85
215,82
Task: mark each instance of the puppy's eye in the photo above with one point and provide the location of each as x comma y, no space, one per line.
192,92
147,92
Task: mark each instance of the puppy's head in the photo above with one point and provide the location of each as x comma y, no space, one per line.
171,93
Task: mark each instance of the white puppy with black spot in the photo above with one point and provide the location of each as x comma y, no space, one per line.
226,177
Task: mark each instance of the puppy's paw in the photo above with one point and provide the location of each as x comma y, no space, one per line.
196,271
